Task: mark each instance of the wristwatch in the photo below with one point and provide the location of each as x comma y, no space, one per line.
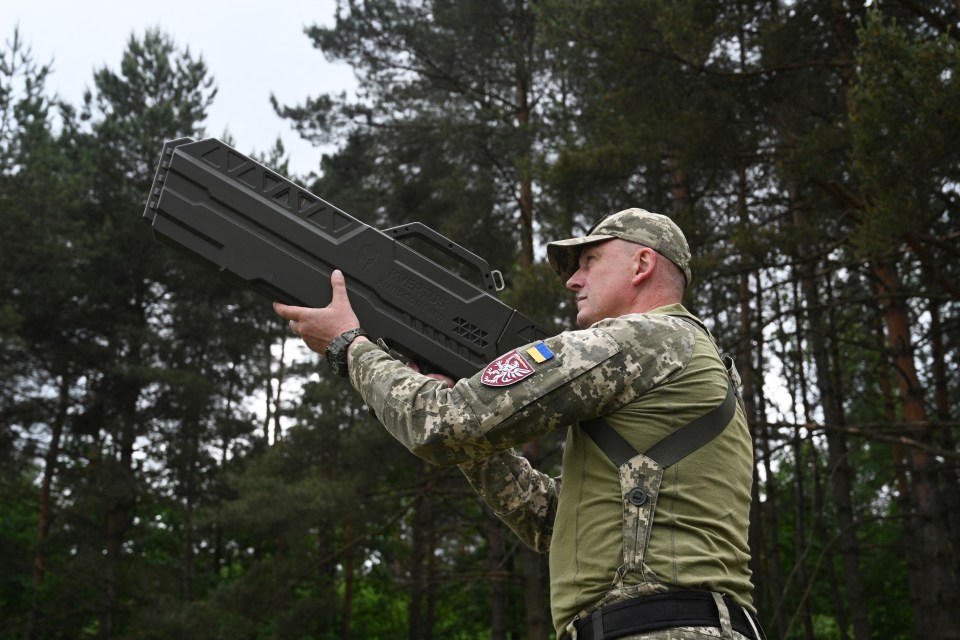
336,353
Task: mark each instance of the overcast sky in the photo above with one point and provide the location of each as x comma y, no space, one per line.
252,49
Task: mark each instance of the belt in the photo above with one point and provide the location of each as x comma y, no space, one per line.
663,611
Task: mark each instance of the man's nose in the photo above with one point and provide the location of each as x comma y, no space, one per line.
575,282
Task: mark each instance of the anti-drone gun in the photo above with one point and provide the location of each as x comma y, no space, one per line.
235,215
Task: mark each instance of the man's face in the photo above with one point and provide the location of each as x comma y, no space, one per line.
603,281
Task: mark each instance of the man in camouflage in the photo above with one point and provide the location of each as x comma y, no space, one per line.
637,549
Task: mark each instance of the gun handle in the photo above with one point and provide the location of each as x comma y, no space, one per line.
491,280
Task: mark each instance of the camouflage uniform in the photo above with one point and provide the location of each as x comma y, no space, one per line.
647,374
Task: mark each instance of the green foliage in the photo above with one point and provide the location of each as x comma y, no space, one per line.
906,88
542,295
379,613
17,538
447,119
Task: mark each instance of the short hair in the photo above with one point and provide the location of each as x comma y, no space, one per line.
675,279
672,276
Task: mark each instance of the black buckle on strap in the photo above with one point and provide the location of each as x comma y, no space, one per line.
663,611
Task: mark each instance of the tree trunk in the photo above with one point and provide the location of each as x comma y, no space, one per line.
191,428
268,390
773,579
951,472
536,612
844,30
523,113
189,555
937,603
119,509
498,577
745,345
348,578
820,526
415,610
800,398
121,481
774,576
908,545
757,533
45,506
537,621
800,536
430,540
840,472
274,437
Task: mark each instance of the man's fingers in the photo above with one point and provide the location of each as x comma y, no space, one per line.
446,380
288,312
295,314
319,326
339,286
282,310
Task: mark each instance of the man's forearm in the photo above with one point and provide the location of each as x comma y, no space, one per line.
414,408
428,418
521,496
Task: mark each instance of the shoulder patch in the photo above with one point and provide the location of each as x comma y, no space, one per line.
540,352
506,370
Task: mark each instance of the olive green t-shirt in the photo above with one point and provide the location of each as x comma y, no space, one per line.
699,534
647,374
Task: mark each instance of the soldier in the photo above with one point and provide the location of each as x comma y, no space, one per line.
641,545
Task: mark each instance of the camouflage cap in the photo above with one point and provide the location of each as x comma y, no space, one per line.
653,230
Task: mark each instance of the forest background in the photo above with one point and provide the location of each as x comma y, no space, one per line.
169,469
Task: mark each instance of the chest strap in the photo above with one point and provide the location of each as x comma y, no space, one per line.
675,446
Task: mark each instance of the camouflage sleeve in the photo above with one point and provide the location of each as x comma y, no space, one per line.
592,372
521,496
427,417
587,373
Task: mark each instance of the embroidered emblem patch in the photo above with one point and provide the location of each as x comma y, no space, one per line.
506,370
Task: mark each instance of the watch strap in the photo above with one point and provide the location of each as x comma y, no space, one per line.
336,352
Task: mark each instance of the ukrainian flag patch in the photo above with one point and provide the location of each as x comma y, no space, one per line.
540,352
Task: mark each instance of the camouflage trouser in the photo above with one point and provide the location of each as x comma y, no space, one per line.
685,633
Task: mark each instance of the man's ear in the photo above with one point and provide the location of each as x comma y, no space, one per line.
644,262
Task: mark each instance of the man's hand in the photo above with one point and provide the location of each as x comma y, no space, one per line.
318,327
447,380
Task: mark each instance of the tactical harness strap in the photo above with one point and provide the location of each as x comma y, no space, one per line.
673,447
677,445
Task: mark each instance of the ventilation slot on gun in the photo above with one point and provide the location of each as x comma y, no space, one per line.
471,332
